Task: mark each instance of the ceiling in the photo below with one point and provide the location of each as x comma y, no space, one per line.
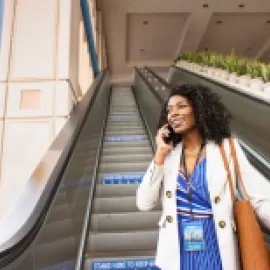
153,32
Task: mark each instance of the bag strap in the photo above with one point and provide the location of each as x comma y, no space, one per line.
229,176
237,168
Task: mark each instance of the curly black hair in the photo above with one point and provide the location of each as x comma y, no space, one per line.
212,118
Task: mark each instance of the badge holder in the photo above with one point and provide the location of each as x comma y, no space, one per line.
193,235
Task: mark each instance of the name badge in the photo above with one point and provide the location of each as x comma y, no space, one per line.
193,236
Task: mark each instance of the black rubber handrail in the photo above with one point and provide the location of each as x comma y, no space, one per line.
11,252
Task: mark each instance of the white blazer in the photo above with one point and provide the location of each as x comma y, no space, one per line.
159,179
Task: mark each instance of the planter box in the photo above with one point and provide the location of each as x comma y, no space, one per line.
253,87
244,80
256,84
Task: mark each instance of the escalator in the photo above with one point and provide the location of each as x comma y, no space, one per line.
103,172
119,233
92,221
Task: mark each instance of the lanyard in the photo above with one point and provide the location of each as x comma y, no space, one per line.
189,180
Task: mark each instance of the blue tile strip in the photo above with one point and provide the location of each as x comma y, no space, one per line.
125,138
131,178
148,264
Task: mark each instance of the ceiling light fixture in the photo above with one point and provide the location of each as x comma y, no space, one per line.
145,22
205,5
241,5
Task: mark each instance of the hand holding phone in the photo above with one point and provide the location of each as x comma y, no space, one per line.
164,143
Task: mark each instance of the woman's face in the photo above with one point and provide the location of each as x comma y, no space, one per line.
180,114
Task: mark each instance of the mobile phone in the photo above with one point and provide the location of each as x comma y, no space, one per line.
167,140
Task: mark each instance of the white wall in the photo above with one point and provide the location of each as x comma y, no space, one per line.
41,56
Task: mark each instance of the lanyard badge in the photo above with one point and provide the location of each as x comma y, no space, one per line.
192,230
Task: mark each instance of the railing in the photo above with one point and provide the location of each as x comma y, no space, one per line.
20,225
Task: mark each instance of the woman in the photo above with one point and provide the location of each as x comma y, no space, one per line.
197,226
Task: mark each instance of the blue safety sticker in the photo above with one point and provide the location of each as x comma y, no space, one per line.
132,178
125,138
125,264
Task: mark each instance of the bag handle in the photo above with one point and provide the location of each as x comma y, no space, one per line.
236,166
229,176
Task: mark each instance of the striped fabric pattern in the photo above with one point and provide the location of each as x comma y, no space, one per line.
209,259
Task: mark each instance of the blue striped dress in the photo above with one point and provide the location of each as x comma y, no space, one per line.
209,259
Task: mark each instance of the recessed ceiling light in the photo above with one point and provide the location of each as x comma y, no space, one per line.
145,22
241,5
205,5
219,22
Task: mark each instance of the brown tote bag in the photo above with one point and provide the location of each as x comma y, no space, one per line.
253,251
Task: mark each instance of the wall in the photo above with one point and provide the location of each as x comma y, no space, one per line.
41,61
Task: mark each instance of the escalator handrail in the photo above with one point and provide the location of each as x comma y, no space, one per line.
157,96
224,85
80,259
160,79
52,165
146,126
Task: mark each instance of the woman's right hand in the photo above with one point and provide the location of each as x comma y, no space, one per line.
162,148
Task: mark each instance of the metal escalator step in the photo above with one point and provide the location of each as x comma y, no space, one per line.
124,133
142,143
126,158
115,190
124,128
115,205
127,149
124,221
132,240
123,167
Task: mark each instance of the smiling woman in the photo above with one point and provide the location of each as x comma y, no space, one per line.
197,226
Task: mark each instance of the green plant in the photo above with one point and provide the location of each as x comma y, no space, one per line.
230,62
